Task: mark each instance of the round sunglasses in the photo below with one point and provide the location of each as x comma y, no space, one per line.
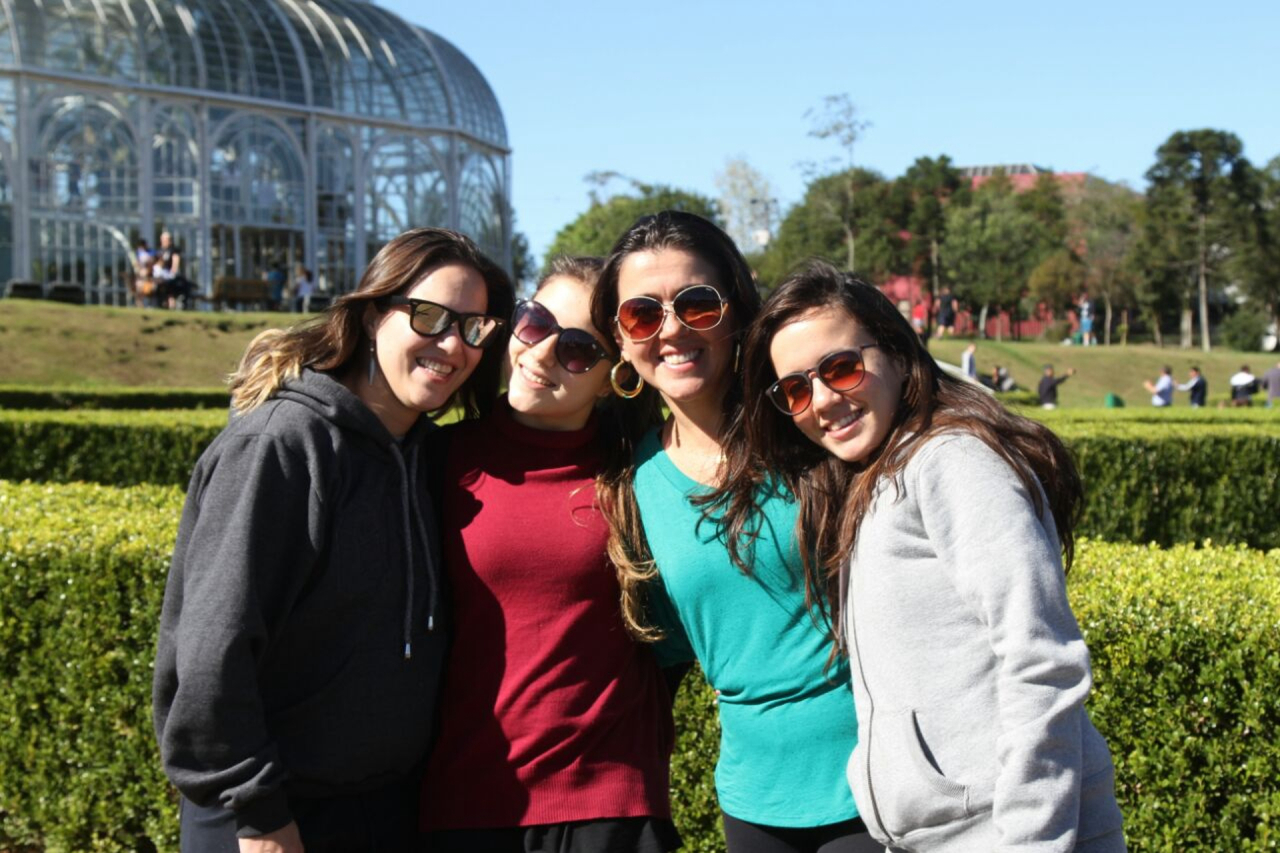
699,307
577,350
431,319
839,371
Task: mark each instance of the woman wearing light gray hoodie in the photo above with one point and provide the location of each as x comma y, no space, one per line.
936,524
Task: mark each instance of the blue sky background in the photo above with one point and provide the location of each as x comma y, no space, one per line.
666,92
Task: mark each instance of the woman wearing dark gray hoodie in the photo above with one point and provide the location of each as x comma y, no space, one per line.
301,643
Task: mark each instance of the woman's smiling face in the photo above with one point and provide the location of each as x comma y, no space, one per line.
848,424
543,394
686,366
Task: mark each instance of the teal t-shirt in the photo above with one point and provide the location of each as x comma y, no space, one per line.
787,728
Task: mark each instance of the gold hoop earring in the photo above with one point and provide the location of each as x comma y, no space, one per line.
618,389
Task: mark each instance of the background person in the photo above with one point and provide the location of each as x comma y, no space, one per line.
946,313
304,286
1243,386
1161,390
144,282
1271,381
1198,388
172,287
678,294
299,657
1048,388
970,672
969,362
556,729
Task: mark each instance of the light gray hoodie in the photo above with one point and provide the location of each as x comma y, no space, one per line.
969,671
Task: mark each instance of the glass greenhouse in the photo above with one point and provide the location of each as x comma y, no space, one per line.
255,131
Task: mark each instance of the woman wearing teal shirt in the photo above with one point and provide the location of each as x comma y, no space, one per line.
677,293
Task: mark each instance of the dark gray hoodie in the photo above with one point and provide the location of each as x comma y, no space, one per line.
297,654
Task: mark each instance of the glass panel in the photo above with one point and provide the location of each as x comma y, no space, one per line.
84,195
257,176
477,107
482,205
335,200
406,189
79,36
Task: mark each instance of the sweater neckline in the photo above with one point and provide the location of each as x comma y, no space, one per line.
545,438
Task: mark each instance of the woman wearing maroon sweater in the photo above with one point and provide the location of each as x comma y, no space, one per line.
556,728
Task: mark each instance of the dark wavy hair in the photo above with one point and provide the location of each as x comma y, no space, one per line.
336,341
687,232
834,495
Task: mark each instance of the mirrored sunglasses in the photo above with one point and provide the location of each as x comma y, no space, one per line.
431,319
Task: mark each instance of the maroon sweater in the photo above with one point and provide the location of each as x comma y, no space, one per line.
551,712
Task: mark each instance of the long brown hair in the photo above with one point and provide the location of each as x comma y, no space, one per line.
834,495
336,341
688,232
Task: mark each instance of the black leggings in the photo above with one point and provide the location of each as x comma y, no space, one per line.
848,836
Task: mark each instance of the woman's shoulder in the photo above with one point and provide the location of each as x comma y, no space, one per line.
956,454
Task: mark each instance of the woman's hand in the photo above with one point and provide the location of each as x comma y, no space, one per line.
283,840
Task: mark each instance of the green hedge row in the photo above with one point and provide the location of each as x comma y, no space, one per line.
1185,643
1180,480
111,447
33,397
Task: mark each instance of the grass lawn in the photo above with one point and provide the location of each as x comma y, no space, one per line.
1100,369
51,344
48,343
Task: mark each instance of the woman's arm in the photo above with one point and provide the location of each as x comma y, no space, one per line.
249,534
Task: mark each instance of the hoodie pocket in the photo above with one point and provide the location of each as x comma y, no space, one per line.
909,790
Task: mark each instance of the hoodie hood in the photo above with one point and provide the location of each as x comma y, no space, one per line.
336,403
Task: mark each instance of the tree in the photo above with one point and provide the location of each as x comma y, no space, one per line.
1103,228
524,267
932,185
1202,187
1058,279
810,230
746,204
600,225
993,244
838,120
1258,269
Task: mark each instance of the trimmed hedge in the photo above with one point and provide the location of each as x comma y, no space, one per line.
1204,475
112,447
1185,643
84,571
34,397
1173,483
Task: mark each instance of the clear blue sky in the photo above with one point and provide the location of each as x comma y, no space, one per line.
666,92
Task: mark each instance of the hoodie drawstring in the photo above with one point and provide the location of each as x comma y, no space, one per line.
413,520
432,591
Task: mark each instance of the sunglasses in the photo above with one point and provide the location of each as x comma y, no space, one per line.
698,307
577,350
430,320
839,371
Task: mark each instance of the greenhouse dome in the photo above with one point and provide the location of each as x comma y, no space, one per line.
256,132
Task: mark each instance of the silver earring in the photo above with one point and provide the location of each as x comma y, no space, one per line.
373,362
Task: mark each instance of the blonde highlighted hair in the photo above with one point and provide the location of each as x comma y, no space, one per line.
336,341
